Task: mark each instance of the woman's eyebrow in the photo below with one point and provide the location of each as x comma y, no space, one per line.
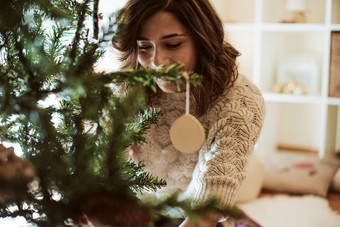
164,37
172,35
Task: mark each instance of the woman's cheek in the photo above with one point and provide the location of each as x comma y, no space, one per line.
144,60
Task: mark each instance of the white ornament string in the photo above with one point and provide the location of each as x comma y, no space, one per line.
187,101
187,133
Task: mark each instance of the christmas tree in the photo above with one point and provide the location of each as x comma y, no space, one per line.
74,160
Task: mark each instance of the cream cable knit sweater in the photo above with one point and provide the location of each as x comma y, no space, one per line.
232,124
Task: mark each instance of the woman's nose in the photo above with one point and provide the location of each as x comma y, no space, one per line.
160,59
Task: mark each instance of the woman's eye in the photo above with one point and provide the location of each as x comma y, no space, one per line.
144,48
173,45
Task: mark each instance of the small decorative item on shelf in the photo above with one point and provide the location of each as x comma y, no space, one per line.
334,68
291,87
297,74
297,10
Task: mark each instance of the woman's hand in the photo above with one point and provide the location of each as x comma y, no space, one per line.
207,220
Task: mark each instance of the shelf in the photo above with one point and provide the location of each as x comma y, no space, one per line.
335,27
286,98
274,53
333,101
287,27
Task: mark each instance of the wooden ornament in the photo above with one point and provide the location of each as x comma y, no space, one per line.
187,134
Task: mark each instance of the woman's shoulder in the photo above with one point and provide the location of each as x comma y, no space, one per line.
243,89
242,104
243,95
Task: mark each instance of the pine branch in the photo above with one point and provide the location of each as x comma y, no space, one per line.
147,77
80,26
138,180
142,122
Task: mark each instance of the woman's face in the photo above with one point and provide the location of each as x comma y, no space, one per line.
164,41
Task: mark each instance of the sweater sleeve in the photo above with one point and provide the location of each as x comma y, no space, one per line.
236,123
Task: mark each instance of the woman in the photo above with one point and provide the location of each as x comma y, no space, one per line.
230,108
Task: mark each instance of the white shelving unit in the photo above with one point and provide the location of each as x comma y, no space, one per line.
310,121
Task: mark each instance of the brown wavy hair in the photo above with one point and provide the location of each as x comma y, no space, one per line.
216,60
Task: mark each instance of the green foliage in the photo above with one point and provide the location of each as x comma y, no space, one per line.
141,181
141,123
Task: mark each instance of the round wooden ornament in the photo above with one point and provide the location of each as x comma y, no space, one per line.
187,133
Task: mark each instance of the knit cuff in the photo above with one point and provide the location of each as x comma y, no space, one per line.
213,187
